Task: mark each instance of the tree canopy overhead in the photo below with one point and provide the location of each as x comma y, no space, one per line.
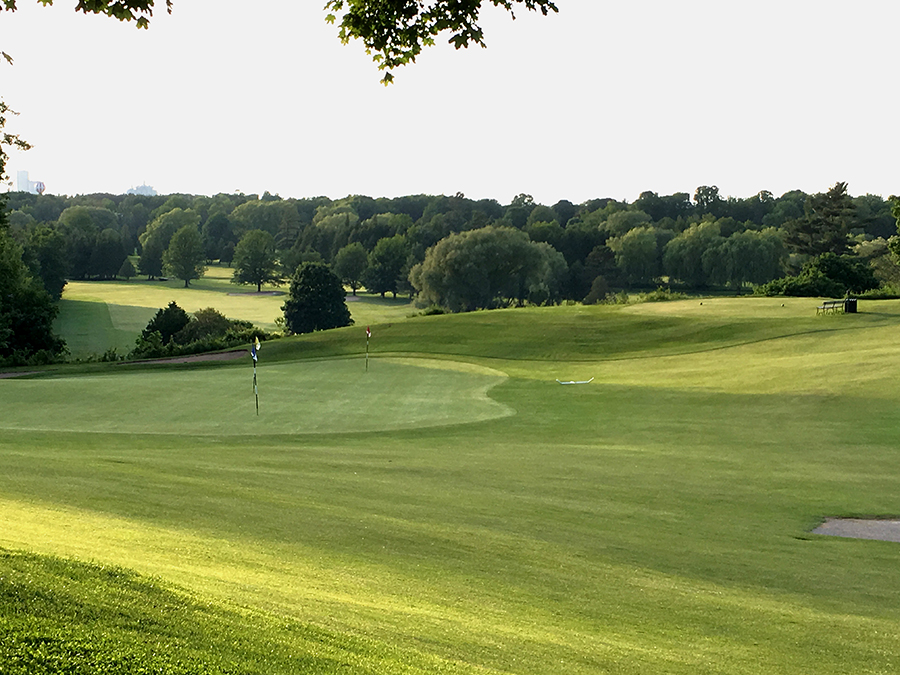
393,31
138,11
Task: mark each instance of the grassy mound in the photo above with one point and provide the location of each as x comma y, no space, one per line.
60,616
656,520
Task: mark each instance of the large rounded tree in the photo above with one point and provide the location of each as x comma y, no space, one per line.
487,268
315,300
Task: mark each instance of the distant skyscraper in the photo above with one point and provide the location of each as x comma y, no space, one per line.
144,190
23,184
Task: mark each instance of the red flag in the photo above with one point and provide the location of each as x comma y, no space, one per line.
368,332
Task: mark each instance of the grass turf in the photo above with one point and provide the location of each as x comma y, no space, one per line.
97,315
654,521
325,396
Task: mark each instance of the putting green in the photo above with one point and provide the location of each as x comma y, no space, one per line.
329,396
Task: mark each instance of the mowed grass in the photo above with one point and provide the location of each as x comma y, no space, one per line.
654,521
295,398
76,617
99,315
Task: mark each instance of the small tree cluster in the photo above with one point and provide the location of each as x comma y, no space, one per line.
173,331
827,275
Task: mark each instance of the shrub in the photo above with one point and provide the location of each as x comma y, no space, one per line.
208,330
808,286
827,275
661,295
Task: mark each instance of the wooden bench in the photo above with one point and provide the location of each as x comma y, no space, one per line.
831,306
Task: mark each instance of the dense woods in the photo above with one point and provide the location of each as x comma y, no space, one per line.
460,254
693,242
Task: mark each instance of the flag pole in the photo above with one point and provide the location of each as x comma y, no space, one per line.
255,389
254,352
368,335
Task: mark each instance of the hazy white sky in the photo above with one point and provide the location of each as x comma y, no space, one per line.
607,98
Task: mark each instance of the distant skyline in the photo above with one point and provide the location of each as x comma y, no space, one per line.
602,100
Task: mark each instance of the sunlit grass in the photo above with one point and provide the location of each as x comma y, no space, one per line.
295,398
654,521
99,315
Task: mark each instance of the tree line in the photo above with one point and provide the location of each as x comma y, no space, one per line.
697,242
462,254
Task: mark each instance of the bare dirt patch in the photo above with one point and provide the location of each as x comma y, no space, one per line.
195,358
260,293
861,528
4,376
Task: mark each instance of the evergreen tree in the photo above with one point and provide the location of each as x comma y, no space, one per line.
127,271
316,300
167,322
825,225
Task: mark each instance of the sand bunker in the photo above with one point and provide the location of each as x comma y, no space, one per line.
861,528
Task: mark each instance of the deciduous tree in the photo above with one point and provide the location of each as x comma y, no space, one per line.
26,310
255,261
108,254
488,267
350,263
185,258
393,31
151,260
46,251
638,253
385,264
685,256
750,256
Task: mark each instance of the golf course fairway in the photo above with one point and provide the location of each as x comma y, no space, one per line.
454,509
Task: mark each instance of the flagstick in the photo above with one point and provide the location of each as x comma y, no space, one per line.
367,353
254,353
255,389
